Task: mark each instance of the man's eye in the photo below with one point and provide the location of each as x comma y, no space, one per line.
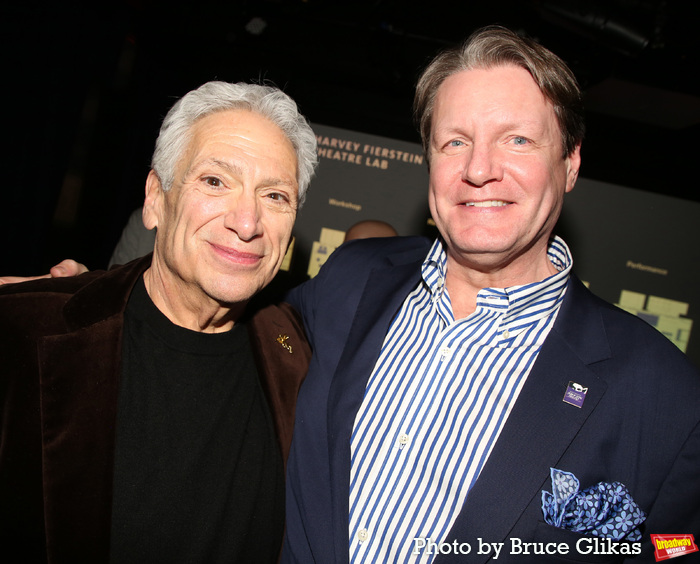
277,196
455,143
213,181
519,140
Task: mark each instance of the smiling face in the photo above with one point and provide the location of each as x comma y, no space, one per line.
225,225
497,174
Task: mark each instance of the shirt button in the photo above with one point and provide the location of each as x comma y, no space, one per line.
403,440
444,353
506,334
362,535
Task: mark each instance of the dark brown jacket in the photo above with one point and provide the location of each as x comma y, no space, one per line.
60,355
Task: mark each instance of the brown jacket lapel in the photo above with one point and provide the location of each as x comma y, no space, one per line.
79,384
282,355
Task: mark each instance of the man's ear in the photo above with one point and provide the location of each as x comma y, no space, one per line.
153,203
574,164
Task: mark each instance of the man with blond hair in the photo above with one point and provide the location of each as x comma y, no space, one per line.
469,399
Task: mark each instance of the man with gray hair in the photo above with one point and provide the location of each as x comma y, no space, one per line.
147,411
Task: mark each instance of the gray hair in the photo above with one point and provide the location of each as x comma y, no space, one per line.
495,46
217,96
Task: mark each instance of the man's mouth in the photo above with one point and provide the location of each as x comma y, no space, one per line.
235,255
487,204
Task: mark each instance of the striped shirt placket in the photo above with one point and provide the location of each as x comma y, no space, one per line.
435,404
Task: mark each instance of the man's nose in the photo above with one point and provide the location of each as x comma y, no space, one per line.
482,165
243,217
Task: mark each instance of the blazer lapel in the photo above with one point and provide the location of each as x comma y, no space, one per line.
282,356
539,429
79,384
384,292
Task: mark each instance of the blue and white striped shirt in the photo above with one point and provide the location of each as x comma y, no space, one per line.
435,404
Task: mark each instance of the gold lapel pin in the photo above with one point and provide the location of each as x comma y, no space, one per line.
282,340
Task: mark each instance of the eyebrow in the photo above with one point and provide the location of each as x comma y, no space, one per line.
504,124
234,170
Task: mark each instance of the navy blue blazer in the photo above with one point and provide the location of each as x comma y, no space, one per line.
639,423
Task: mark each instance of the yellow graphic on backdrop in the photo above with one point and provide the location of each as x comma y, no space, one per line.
287,261
330,240
662,313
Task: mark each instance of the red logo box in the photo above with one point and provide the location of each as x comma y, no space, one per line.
671,546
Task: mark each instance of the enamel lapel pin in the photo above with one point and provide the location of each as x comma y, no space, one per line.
575,394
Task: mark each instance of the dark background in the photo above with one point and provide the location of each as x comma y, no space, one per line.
85,88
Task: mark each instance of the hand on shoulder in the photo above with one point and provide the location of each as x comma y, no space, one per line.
67,267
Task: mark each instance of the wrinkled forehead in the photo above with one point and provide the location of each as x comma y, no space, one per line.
243,132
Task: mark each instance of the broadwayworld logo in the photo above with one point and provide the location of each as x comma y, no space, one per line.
671,546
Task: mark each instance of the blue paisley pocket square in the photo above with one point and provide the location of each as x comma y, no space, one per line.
604,510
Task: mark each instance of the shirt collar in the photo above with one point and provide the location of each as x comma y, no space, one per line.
514,301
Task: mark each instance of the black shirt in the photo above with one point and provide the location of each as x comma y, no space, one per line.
198,472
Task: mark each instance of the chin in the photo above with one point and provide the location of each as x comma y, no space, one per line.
235,293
